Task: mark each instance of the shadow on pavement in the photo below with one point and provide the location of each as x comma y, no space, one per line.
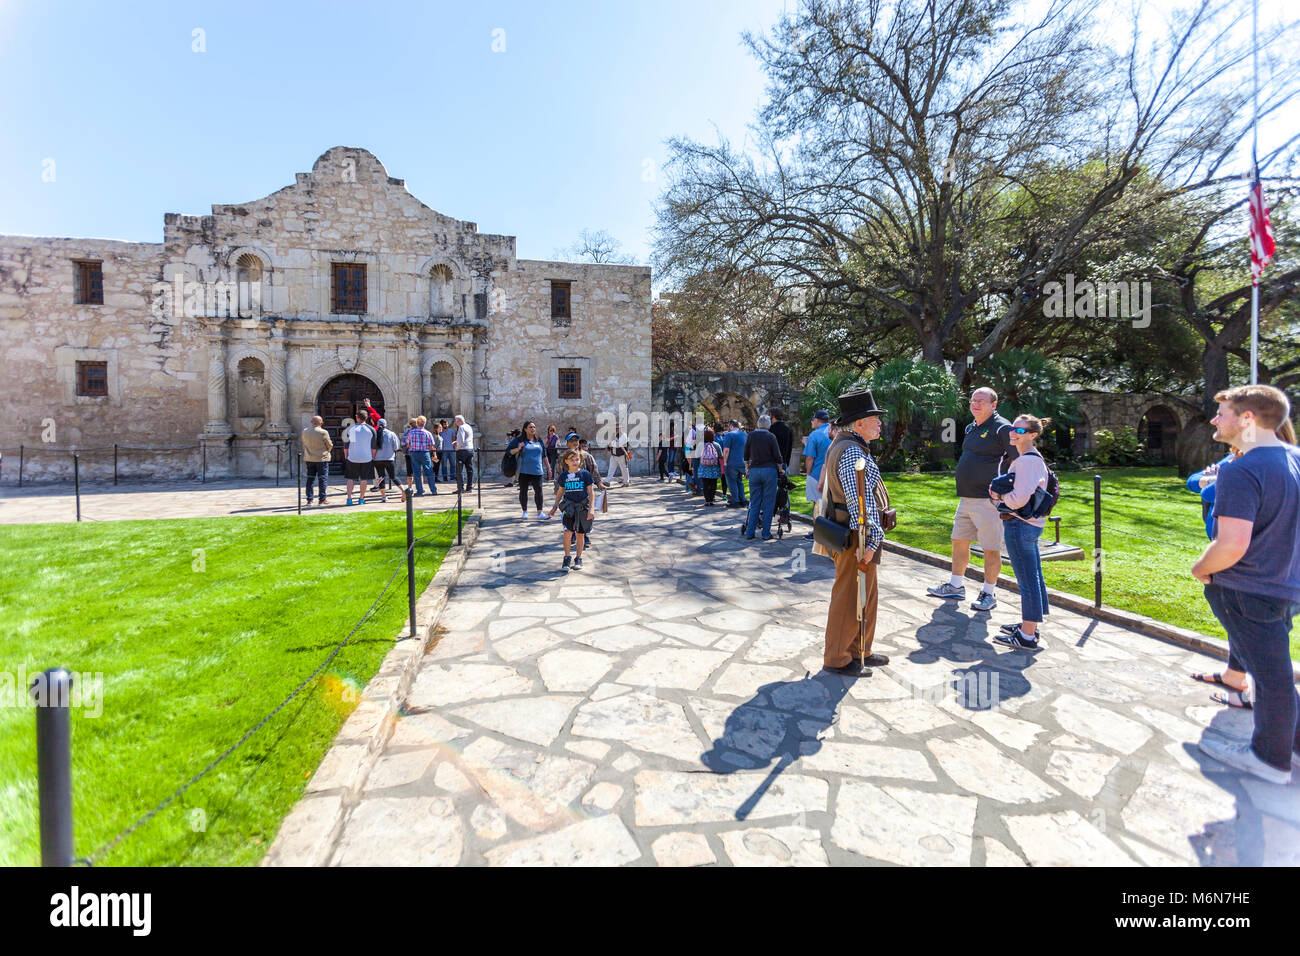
781,723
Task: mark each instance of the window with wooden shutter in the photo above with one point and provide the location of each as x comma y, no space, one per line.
92,378
560,292
88,282
570,383
349,288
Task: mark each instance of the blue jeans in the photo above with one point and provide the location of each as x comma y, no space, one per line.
1259,628
447,463
735,484
317,470
762,499
422,463
1027,564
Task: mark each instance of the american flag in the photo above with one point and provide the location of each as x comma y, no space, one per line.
1261,230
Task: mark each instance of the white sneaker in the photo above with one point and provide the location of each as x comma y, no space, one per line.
1241,756
524,516
542,516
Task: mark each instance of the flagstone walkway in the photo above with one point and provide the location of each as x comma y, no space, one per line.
666,705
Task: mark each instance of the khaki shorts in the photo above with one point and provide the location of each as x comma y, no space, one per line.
977,520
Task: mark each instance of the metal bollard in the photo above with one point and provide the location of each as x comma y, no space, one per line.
458,514
203,475
76,481
480,478
277,466
115,464
410,556
51,690
1097,553
299,483
20,466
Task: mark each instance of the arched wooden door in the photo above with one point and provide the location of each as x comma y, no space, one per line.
343,396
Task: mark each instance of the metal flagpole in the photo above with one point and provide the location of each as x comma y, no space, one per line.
1254,169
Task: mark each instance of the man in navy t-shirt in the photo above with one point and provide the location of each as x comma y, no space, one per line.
1251,572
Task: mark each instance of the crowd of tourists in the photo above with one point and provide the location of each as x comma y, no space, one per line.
433,451
1005,492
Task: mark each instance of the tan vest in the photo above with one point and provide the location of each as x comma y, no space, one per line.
839,511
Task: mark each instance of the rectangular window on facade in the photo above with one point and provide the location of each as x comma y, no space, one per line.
560,299
570,383
92,378
349,288
88,282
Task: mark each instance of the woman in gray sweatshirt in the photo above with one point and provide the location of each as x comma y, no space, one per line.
1022,534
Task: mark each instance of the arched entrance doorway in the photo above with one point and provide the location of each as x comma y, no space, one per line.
1159,432
343,396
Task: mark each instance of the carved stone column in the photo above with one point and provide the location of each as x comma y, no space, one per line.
278,413
218,393
419,382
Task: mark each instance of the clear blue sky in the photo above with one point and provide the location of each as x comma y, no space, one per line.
539,141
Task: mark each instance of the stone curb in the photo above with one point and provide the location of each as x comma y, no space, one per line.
308,834
1149,626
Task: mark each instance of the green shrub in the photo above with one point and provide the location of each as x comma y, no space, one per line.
1122,447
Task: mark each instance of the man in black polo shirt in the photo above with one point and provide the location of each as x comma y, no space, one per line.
986,452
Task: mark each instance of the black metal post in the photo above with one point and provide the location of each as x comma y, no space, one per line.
76,481
480,480
115,463
277,465
203,476
20,466
1097,553
458,492
299,483
410,555
51,690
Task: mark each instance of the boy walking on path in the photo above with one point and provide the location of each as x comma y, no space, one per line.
573,494
1251,573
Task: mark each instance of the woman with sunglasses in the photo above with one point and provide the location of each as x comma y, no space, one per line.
1022,534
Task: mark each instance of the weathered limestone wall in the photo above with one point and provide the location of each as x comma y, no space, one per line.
156,365
607,337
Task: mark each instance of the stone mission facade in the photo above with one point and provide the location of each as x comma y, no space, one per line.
224,339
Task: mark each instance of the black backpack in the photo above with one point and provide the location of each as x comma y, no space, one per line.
509,462
376,438
1042,505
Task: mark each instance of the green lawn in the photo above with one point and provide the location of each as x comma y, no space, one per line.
1151,534
194,650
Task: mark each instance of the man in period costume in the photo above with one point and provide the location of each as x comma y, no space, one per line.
848,638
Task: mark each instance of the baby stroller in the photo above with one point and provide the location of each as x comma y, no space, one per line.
782,508
781,521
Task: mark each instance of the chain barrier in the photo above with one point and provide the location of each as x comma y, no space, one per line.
179,791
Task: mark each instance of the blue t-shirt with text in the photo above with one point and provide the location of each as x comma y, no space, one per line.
576,484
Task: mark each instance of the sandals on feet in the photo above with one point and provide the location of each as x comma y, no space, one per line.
1216,680
1233,699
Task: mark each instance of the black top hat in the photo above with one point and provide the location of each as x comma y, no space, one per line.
855,405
